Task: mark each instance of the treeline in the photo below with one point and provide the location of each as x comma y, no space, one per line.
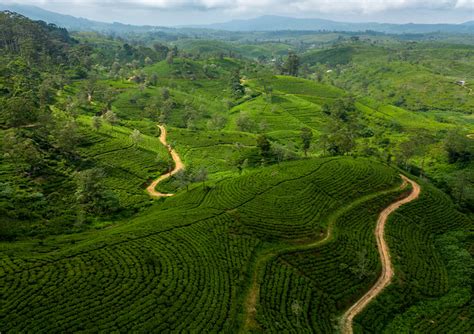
37,42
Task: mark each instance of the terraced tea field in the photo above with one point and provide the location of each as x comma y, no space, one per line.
199,244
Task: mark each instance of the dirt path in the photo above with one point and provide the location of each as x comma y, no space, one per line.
250,303
178,166
387,267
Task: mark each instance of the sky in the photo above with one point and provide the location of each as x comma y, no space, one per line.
187,12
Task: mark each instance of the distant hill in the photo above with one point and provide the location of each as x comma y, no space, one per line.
274,23
262,23
34,41
74,23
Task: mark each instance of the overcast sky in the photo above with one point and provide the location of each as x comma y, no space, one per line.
183,12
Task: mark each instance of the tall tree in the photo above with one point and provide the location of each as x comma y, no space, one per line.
236,86
136,137
306,137
91,194
458,147
19,110
265,146
111,118
292,64
96,123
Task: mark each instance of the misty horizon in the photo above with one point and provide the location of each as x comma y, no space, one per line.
185,13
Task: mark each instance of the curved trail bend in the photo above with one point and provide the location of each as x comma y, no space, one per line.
387,267
178,166
250,303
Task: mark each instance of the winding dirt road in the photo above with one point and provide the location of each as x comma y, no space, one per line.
250,303
387,267
178,165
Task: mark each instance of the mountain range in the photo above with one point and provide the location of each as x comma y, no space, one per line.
273,23
262,23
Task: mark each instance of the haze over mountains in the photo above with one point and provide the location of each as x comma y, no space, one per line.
273,23
262,23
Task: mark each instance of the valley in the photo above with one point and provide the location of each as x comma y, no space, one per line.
211,181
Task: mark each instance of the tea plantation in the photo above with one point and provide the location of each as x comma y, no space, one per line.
184,264
199,181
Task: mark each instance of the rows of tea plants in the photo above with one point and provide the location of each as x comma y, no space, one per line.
107,148
291,85
266,115
181,265
305,291
432,289
308,113
216,151
183,279
301,195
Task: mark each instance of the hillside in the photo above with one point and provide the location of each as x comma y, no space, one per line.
180,186
417,76
74,23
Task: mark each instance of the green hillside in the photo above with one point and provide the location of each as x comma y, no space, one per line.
202,252
234,183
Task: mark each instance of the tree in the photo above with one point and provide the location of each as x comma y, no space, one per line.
244,123
22,152
342,109
107,96
91,194
217,122
166,110
363,265
463,187
111,118
19,110
115,68
46,92
416,145
422,139
153,79
165,93
96,123
340,134
337,139
458,147
174,51
170,58
183,179
296,309
67,135
236,87
292,64
201,175
136,137
306,137
151,110
278,151
264,145
90,87
161,50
